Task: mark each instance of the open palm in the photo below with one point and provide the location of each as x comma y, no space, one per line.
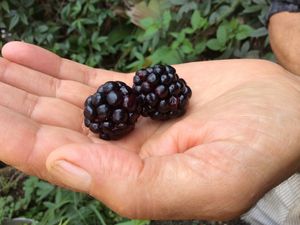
238,139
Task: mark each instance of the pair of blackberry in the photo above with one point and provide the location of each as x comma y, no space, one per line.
157,93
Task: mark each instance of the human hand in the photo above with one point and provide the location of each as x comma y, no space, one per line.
239,137
284,36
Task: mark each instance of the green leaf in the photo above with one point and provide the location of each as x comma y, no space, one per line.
166,55
214,18
147,22
97,46
215,45
245,48
91,8
14,21
222,34
5,6
44,189
76,8
88,21
179,39
150,32
206,8
197,21
200,47
260,32
187,47
100,20
101,39
188,30
166,20
244,31
23,18
65,12
187,7
118,34
252,9
98,214
42,28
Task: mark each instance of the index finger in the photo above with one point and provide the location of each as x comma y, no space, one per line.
49,63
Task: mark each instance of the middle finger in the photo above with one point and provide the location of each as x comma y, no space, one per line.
45,110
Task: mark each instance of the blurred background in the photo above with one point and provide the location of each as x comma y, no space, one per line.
124,36
127,34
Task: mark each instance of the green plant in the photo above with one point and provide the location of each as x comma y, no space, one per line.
50,205
104,33
9,179
187,31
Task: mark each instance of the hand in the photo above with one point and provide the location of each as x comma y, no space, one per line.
284,35
239,137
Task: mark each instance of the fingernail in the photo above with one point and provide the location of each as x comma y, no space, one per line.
70,175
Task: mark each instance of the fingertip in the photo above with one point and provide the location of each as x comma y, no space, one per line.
9,48
20,52
31,56
107,172
68,172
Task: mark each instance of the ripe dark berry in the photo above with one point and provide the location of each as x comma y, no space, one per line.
161,93
112,111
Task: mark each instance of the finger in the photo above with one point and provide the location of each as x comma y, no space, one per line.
41,84
51,64
111,163
44,110
177,186
26,144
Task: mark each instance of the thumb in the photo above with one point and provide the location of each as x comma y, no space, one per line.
105,171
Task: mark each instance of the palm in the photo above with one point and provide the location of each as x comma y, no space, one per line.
233,130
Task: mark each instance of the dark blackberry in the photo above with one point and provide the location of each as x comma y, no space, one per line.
161,93
112,111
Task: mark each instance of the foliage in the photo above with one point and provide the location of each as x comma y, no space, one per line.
50,205
105,33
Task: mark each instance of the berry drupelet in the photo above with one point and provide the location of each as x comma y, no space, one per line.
161,93
112,111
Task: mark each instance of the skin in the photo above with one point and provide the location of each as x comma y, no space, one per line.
284,32
239,137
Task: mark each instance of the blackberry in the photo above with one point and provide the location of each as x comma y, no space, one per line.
112,111
161,93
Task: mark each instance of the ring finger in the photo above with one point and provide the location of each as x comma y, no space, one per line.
45,110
